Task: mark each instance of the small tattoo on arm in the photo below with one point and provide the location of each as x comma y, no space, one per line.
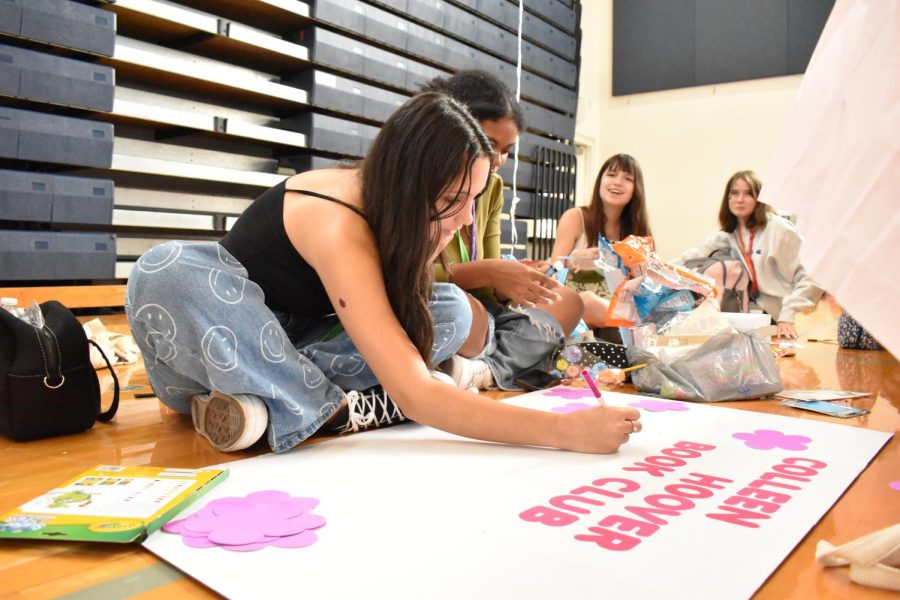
342,303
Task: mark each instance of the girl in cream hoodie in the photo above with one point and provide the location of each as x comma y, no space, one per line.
769,247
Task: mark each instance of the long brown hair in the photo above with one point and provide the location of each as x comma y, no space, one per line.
727,221
634,217
418,153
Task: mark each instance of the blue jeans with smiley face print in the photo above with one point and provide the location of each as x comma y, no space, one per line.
202,325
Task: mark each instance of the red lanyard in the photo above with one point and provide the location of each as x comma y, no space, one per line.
748,258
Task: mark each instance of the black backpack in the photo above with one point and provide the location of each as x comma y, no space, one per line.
48,386
732,280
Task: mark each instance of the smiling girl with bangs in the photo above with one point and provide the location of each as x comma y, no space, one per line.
617,210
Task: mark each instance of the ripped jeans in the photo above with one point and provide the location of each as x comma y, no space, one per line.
202,324
518,339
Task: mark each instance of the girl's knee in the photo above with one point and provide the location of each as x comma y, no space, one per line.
452,315
570,308
477,337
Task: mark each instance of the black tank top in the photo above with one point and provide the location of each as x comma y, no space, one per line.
258,240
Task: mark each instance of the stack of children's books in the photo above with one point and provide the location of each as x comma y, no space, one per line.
110,504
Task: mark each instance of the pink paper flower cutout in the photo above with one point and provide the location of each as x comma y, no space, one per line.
569,393
570,407
894,485
767,439
266,518
652,405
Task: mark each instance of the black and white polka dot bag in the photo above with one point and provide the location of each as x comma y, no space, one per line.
569,360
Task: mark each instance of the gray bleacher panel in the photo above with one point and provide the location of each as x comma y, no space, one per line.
549,93
427,43
85,256
379,104
529,143
345,95
506,231
349,14
82,200
26,196
548,64
374,63
332,92
559,14
418,74
460,22
524,177
36,255
461,56
548,36
51,138
333,50
309,162
54,79
9,134
45,198
68,24
500,11
386,27
386,67
27,255
330,134
525,207
428,11
496,39
548,121
11,17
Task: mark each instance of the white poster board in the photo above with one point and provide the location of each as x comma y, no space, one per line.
685,510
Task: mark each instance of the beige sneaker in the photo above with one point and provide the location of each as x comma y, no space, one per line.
229,421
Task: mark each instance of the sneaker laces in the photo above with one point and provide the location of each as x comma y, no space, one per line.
363,411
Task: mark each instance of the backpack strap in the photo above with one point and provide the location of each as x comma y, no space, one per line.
109,414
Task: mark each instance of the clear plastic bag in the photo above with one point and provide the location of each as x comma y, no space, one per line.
728,366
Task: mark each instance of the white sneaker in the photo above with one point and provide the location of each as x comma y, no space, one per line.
443,378
229,421
468,373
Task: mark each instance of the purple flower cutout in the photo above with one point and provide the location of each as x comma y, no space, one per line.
767,439
569,393
894,485
570,407
652,405
252,522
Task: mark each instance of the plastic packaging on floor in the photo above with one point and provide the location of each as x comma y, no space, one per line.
728,366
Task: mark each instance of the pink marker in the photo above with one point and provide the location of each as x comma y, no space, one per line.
593,386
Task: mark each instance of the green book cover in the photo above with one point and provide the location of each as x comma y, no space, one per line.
110,504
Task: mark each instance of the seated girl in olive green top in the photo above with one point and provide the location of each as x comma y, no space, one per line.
524,313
